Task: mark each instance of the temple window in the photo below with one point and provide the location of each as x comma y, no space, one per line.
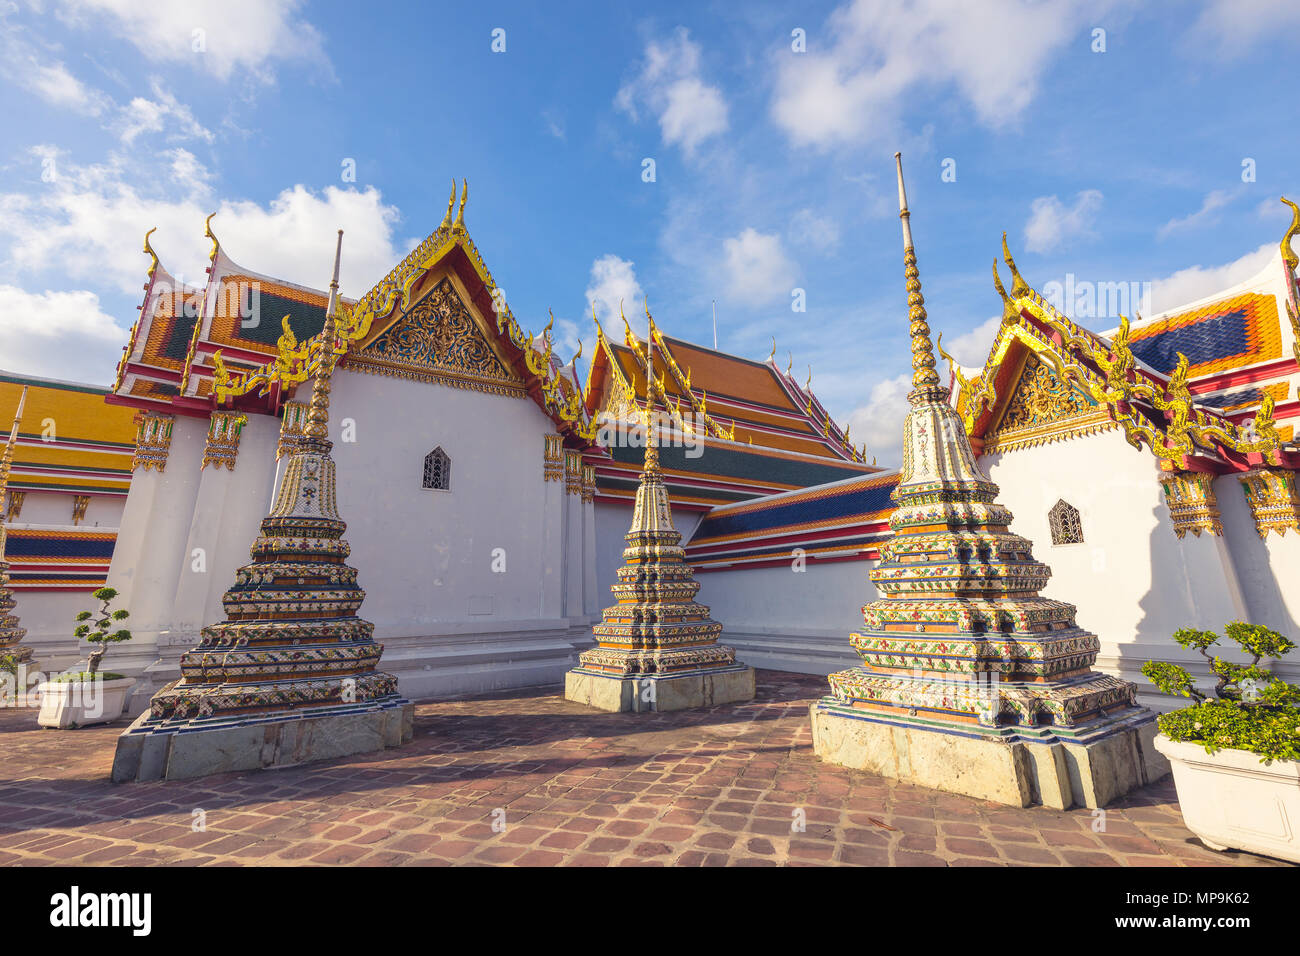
1064,521
437,470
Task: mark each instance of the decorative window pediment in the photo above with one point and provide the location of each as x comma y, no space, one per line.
437,470
1064,521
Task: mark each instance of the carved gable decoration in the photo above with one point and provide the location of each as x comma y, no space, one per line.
1041,409
437,340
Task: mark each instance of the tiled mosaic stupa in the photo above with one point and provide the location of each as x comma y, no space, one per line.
656,648
972,681
10,631
289,676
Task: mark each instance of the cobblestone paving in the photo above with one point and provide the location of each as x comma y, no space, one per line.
575,786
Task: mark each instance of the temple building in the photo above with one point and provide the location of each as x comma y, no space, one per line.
489,487
68,483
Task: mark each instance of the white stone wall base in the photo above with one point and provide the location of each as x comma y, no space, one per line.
1233,799
1021,774
193,750
648,693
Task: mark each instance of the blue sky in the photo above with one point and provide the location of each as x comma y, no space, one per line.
773,167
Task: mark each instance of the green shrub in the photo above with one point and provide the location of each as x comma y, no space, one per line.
1252,709
99,633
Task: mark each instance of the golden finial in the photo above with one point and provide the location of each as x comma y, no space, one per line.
317,429
576,355
808,384
153,266
651,441
772,358
460,213
1288,253
209,234
1018,284
1009,310
451,201
789,366
546,332
925,380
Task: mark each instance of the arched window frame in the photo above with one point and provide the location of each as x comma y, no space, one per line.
1065,523
437,470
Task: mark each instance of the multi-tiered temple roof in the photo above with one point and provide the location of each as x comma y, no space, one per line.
656,628
754,429
244,340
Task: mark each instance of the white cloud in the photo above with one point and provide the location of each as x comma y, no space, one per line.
222,37
872,55
820,232
757,268
58,334
1230,27
89,221
970,349
689,110
554,123
1198,282
38,72
1213,202
1051,222
164,113
880,421
613,281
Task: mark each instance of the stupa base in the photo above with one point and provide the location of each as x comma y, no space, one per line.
181,751
1018,766
706,687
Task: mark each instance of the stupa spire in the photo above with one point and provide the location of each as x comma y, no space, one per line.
318,414
656,648
965,663
925,380
651,399
292,653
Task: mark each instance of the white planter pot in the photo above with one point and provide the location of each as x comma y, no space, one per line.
1231,799
82,703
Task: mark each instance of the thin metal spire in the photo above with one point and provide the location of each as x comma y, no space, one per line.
318,414
925,380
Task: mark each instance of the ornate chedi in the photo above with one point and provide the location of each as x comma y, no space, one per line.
972,682
290,675
11,633
656,648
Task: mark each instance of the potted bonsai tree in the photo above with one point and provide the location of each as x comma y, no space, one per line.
81,698
1236,754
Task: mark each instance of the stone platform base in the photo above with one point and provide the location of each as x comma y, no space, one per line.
1020,772
195,749
702,688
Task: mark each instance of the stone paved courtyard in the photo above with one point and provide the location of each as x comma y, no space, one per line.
579,787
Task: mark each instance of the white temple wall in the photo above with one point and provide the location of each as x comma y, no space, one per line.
449,622
55,508
146,563
1265,568
227,516
1132,579
782,619
49,617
